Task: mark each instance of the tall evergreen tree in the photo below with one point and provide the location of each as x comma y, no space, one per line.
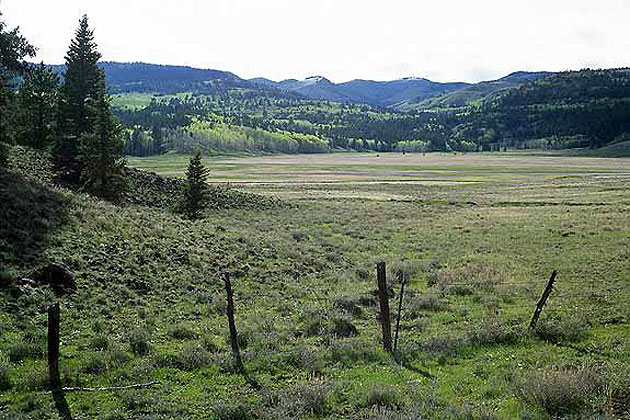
195,193
37,98
78,97
13,49
101,151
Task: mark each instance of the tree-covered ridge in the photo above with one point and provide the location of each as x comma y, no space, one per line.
577,109
587,108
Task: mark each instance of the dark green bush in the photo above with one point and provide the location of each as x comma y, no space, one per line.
193,356
382,396
5,375
138,339
181,331
343,327
234,410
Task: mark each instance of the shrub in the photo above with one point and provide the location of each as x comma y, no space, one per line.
99,342
555,329
342,327
382,396
181,331
210,343
5,377
302,400
138,339
193,356
234,410
427,302
494,331
116,357
564,391
351,351
24,349
96,363
34,379
443,346
349,305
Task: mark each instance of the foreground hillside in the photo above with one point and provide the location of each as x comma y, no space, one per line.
149,304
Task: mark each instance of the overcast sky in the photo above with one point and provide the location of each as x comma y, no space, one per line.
445,40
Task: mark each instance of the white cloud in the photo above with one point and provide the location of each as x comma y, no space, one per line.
341,39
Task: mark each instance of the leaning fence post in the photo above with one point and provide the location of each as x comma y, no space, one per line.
384,306
233,334
400,302
543,300
53,363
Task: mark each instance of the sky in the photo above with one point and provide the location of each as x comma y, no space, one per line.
445,40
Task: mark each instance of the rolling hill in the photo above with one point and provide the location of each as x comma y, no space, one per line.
470,93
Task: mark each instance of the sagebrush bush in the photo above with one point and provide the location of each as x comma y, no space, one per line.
350,305
494,331
35,378
564,391
301,401
443,346
234,410
5,375
556,328
181,331
96,363
193,356
349,351
99,342
23,349
138,339
382,396
426,302
343,327
116,357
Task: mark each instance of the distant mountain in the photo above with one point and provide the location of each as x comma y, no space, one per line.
388,93
475,92
143,77
403,94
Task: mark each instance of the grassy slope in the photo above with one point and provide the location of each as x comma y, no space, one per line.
299,272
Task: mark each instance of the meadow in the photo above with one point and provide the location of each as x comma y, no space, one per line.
476,236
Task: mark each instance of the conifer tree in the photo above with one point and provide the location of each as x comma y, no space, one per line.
13,49
195,192
101,151
37,99
77,99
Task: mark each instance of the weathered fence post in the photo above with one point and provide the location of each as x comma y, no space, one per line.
400,302
384,306
233,334
543,300
53,363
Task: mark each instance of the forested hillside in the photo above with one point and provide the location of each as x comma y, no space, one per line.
587,108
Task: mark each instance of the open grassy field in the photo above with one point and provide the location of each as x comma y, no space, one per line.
476,235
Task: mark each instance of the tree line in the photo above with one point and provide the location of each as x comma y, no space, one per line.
69,116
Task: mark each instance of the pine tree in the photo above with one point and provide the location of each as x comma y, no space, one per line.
13,49
101,151
77,99
195,192
37,99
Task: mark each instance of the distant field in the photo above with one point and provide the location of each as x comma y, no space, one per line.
437,169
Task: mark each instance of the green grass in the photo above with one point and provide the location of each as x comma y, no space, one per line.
144,269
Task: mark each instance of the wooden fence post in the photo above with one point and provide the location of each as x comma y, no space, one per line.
400,302
233,334
543,300
384,306
53,363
